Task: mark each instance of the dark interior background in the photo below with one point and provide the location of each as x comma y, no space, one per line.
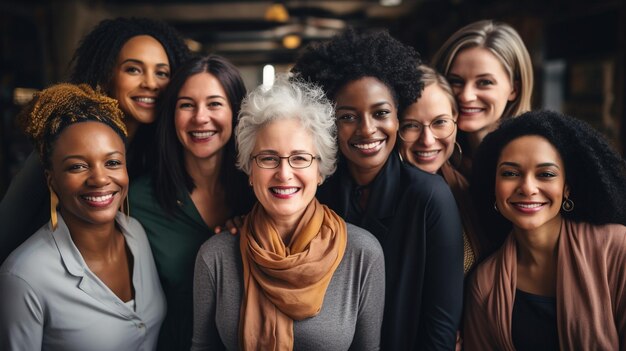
577,46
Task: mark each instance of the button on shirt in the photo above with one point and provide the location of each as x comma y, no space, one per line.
51,300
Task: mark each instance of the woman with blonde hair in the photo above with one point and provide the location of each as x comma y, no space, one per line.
491,74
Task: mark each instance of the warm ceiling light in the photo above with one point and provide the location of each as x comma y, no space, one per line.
277,12
390,2
292,41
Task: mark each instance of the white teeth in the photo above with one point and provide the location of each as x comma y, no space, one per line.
98,198
147,100
284,191
368,146
529,205
202,135
471,110
426,153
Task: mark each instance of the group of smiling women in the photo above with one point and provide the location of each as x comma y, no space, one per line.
375,202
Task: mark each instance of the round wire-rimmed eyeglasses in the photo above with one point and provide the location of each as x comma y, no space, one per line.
411,130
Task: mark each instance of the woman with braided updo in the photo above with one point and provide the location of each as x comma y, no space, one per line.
86,280
131,60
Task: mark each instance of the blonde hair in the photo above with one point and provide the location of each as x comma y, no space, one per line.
61,105
506,45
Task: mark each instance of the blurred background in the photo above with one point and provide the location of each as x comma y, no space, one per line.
577,47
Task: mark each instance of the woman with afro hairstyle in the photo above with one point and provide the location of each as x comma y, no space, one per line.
558,281
86,280
372,78
129,59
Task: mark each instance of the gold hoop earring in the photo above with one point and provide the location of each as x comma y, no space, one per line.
567,205
495,207
125,208
54,202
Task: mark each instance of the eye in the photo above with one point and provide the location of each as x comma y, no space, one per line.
114,163
485,82
163,74
455,82
268,158
346,118
76,167
509,173
381,113
185,106
440,123
411,126
547,174
215,104
132,70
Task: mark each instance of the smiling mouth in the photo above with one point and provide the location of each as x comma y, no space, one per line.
202,135
145,100
98,200
426,154
284,191
368,147
471,110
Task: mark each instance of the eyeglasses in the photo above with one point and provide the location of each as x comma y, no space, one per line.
441,128
296,161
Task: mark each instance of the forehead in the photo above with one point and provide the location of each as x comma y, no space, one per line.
86,137
477,60
530,149
202,84
284,136
364,90
143,47
433,102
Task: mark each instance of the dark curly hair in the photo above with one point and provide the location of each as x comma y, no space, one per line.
352,55
94,62
171,177
96,55
595,173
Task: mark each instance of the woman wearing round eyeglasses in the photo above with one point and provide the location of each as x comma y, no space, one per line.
298,277
427,141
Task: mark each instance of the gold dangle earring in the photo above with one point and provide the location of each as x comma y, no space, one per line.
54,202
125,208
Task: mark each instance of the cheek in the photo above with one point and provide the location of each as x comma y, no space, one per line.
180,123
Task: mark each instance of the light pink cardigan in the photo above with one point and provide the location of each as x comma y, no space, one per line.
591,292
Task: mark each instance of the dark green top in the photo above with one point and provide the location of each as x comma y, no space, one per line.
175,240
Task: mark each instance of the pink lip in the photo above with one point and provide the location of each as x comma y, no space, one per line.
425,159
144,104
370,151
477,111
284,196
201,140
87,199
528,207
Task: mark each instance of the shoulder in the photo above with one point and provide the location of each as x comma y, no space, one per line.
482,281
34,259
140,191
220,249
362,241
604,237
417,183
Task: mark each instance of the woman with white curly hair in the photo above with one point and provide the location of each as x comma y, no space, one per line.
298,277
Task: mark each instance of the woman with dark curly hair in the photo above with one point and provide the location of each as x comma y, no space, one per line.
129,59
371,78
558,281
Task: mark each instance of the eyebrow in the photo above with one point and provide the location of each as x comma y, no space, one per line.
545,164
82,157
378,104
207,98
139,62
274,152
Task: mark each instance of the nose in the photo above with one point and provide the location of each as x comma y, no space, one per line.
98,177
202,114
284,172
149,81
466,93
528,186
367,125
426,138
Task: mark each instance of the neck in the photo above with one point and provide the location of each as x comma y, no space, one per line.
94,241
363,176
538,246
205,172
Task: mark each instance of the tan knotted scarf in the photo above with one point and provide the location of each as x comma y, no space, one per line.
286,283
